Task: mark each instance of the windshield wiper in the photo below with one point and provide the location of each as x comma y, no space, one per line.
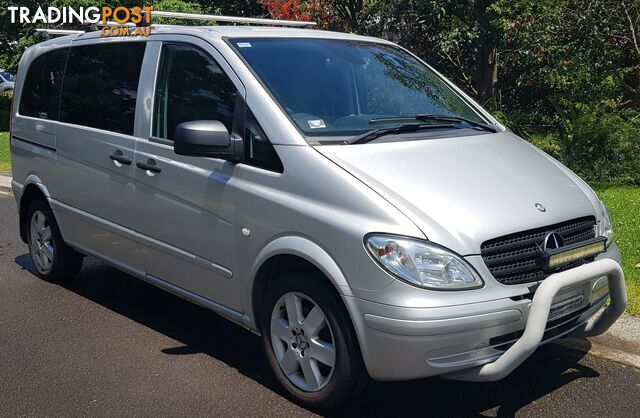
407,127
437,118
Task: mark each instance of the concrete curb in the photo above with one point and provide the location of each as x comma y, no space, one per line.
621,343
5,184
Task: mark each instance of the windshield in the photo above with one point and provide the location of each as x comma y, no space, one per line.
6,75
334,88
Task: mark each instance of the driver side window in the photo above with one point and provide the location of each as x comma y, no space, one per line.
190,86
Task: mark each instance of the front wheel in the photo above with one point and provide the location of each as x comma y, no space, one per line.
310,342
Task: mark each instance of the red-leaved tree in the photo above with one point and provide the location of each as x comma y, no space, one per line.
305,10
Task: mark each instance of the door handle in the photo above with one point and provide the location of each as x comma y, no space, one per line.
119,157
149,166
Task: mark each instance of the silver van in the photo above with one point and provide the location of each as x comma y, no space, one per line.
327,191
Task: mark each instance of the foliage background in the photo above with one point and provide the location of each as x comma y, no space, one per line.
565,74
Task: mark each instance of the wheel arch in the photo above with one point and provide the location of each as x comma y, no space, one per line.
293,254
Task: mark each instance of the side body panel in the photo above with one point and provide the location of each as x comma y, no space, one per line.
187,230
316,211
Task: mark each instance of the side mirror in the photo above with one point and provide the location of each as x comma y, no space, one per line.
202,138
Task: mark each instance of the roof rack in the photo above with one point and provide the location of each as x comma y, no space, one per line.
59,31
233,19
48,32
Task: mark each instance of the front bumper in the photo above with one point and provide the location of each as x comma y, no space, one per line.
483,341
539,313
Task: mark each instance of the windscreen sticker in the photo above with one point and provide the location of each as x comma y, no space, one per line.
316,124
244,45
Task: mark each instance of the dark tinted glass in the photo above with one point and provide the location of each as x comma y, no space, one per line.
334,87
191,86
258,150
101,84
7,76
41,92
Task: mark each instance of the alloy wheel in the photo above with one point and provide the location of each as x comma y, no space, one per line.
302,341
42,246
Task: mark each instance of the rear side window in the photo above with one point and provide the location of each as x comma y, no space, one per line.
190,86
41,91
101,84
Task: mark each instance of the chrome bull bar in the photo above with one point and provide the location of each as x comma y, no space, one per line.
539,315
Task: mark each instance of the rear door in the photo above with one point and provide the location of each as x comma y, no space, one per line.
96,147
187,227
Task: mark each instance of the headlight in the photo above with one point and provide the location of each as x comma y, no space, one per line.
422,263
605,229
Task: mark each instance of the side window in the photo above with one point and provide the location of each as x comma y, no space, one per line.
190,86
101,84
41,91
258,151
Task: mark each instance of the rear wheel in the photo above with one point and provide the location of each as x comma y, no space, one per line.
310,342
53,259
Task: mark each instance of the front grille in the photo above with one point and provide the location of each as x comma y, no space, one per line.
516,258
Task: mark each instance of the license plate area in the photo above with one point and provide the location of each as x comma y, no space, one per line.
568,302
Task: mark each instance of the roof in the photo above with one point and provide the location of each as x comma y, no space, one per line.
284,32
231,31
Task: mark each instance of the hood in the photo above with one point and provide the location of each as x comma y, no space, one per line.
463,191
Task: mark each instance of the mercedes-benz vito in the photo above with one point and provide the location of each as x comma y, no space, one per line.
330,192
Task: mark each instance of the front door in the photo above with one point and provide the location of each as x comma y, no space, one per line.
187,229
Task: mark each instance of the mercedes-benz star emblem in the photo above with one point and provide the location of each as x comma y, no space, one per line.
540,207
553,241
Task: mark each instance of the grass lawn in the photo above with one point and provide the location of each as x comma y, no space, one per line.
5,162
624,208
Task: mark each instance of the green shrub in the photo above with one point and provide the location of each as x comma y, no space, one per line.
520,123
602,144
599,142
547,143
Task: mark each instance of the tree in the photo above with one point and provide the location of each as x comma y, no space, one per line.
288,9
245,8
178,6
343,15
563,54
459,38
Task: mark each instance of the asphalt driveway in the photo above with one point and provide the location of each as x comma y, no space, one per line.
108,344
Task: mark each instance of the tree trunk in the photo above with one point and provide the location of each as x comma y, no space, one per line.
631,85
486,71
348,11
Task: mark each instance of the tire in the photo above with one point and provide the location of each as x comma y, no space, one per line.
296,357
53,260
